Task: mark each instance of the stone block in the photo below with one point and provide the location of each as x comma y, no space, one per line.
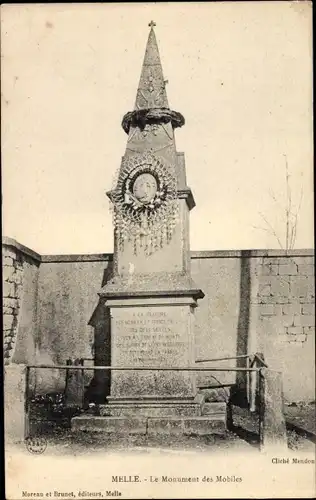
14,394
8,332
204,426
264,289
288,320
7,310
150,410
111,425
308,309
165,426
295,330
268,270
291,309
7,321
304,260
9,289
271,260
7,273
310,330
214,408
302,286
8,261
306,269
267,310
304,320
288,269
307,300
272,421
297,338
273,300
280,287
74,390
10,302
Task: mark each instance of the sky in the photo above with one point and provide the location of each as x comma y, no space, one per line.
240,73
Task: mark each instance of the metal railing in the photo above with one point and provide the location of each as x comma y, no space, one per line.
256,388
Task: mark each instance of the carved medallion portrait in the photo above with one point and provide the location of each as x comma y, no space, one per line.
145,188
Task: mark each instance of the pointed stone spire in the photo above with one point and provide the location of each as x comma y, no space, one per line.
151,91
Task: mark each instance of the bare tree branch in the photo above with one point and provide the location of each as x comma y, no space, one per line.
271,229
261,228
293,238
290,213
288,203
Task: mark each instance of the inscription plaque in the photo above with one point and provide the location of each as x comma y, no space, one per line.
151,336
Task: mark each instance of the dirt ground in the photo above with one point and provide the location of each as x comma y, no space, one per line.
242,435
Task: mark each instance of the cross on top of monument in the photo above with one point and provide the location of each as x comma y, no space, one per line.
152,24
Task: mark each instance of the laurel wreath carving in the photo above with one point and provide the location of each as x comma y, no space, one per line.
149,225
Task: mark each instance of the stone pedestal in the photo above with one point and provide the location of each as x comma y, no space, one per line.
152,332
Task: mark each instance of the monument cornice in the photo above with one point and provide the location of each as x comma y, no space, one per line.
141,117
195,293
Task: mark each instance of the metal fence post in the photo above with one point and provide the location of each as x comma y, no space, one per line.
27,404
261,405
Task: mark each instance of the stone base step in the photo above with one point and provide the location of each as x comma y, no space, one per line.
162,410
188,426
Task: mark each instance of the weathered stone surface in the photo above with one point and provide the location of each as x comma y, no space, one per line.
273,428
9,289
292,309
152,336
135,409
8,260
7,321
307,269
309,329
264,289
289,269
165,426
308,309
74,390
270,309
9,252
304,320
214,408
202,426
10,302
294,330
7,273
302,286
268,270
205,426
14,392
117,425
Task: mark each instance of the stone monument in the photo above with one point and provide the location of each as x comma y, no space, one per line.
151,296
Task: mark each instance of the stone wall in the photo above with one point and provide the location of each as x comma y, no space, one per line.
284,304
20,274
12,291
254,301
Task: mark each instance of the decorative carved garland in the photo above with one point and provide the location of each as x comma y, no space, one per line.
140,117
145,208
